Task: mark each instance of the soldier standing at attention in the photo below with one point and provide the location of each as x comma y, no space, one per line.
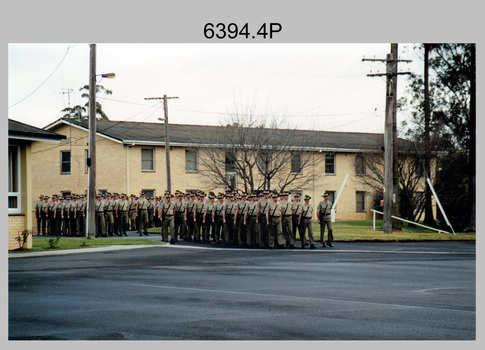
180,214
305,222
286,220
122,212
116,218
109,206
67,206
199,216
50,215
166,214
45,214
151,212
72,216
99,213
190,217
79,216
208,219
295,212
241,207
273,220
218,215
324,216
251,221
132,213
228,219
38,214
59,207
263,227
142,214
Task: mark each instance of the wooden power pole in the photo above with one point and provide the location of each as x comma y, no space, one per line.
391,181
167,142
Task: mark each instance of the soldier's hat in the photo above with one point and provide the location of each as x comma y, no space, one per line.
244,194
211,196
167,195
192,194
265,192
325,194
274,194
296,195
230,195
307,197
99,195
142,193
219,196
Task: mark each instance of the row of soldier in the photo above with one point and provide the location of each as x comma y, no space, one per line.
257,220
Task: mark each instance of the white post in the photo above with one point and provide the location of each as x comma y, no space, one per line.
439,204
332,211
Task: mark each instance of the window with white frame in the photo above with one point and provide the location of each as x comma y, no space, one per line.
14,205
191,160
147,159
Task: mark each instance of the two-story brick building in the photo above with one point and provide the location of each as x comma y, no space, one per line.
131,158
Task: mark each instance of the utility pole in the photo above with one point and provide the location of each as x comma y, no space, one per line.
91,223
391,181
167,142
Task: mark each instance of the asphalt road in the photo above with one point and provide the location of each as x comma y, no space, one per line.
354,291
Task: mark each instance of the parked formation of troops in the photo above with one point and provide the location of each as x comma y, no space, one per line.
263,220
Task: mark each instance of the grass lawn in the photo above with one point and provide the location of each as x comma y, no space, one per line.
347,231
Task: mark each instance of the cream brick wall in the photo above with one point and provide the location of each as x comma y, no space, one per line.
16,225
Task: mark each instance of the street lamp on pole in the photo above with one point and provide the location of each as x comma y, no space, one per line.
91,161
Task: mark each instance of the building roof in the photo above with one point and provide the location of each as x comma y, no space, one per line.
21,131
200,135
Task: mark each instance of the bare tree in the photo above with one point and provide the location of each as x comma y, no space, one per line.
256,153
411,177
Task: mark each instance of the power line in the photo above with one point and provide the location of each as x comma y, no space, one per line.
55,69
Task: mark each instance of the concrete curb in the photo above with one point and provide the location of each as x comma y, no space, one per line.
81,250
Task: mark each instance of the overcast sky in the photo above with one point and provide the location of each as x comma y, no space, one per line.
310,86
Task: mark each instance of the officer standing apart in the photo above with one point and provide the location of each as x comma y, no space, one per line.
324,216
305,222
